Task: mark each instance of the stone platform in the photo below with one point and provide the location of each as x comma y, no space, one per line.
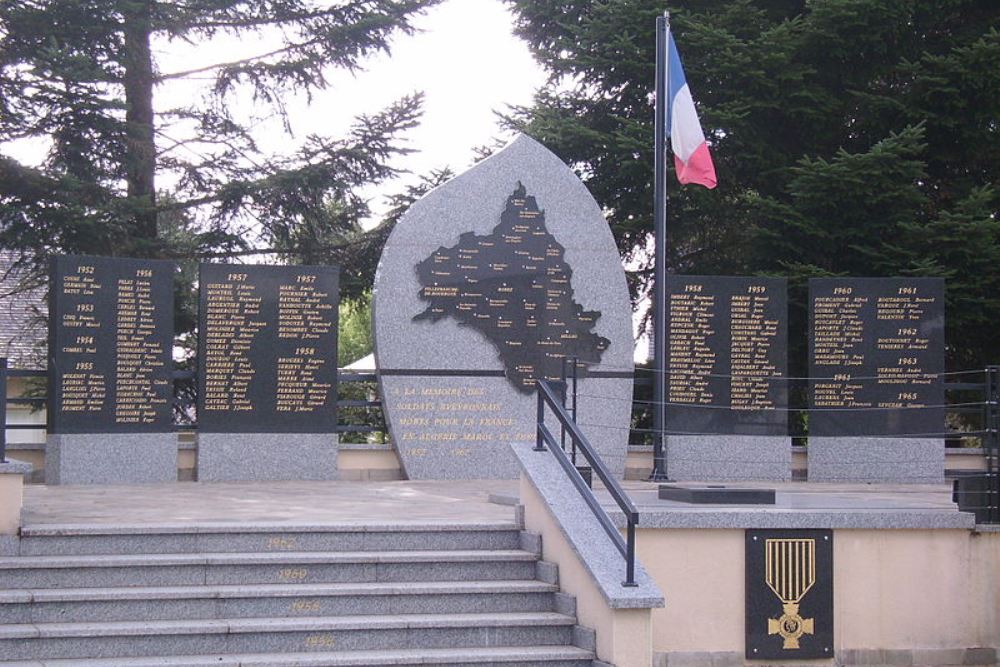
268,502
238,551
797,504
809,505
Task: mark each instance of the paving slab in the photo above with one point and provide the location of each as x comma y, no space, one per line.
805,505
322,502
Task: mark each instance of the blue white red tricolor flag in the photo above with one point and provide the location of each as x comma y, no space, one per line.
687,141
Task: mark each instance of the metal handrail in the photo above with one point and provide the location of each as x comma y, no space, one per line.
625,547
991,445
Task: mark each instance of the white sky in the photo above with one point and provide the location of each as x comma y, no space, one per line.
464,59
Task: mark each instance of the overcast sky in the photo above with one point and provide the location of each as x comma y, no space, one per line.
464,58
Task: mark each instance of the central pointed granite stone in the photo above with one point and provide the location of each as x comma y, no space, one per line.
487,284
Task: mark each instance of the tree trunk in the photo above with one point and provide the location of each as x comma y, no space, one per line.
141,158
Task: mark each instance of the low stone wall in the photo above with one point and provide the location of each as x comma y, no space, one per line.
11,495
590,567
903,597
639,463
356,462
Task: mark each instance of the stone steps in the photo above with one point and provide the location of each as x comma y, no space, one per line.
290,600
349,633
105,570
521,656
343,595
54,540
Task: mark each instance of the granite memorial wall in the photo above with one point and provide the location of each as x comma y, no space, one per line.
267,372
876,359
111,326
727,388
473,305
487,284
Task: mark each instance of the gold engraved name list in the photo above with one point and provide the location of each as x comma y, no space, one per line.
306,316
690,358
752,338
233,319
83,387
138,354
904,311
839,345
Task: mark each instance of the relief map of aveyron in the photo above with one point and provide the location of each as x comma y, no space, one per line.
514,287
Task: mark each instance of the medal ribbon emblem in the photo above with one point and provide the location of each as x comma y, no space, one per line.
790,571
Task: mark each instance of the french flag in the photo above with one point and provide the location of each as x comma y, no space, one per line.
691,157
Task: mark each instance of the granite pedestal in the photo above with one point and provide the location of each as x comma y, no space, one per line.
877,460
729,458
111,458
226,457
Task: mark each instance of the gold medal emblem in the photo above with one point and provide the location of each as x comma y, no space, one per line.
790,571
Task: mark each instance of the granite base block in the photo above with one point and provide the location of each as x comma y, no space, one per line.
876,460
111,458
729,458
231,457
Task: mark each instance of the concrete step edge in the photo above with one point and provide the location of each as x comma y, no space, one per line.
368,658
74,529
231,591
266,558
274,625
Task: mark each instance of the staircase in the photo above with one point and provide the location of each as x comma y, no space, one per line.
308,596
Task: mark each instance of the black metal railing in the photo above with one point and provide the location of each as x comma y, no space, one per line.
5,374
185,399
547,397
979,493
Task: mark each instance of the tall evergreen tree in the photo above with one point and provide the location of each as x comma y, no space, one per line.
81,79
851,137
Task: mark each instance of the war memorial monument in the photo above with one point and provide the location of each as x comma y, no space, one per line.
491,549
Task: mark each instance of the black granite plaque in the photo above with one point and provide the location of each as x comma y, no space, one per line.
111,330
876,355
267,349
726,355
789,594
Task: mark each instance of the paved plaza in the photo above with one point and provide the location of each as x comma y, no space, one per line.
469,501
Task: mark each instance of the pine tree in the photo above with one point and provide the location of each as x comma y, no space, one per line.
851,137
81,79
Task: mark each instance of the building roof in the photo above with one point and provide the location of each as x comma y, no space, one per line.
23,312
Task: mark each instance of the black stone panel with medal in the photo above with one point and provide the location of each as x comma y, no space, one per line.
267,349
726,355
876,356
789,594
111,331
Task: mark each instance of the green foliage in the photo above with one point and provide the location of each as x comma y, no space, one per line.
354,336
81,79
851,137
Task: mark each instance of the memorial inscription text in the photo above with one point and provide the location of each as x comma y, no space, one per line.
876,356
726,340
268,349
110,343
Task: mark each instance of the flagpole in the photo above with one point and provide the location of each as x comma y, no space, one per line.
660,253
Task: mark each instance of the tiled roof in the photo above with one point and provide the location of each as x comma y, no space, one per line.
23,332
